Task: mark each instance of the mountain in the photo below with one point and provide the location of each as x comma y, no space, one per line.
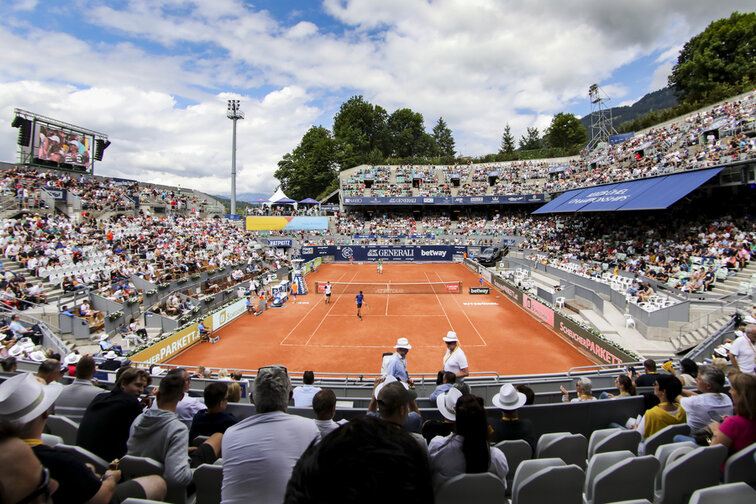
248,197
658,100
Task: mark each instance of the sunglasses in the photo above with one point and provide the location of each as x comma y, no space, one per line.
42,489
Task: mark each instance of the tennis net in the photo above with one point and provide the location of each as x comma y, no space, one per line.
391,288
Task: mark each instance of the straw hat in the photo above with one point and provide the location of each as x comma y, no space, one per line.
111,355
508,398
23,398
447,403
72,358
38,356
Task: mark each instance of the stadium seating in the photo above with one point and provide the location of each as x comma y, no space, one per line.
484,488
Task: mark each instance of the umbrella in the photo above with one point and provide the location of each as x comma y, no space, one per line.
310,201
285,201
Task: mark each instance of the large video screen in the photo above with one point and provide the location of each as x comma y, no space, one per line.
62,147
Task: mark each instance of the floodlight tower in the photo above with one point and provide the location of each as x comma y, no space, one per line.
234,113
601,117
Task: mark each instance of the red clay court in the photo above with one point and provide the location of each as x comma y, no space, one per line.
495,334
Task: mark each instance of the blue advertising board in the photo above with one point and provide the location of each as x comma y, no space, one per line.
406,253
616,139
281,242
504,199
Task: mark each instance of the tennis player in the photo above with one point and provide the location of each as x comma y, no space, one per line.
359,297
328,293
380,266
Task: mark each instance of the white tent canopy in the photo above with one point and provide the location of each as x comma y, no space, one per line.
278,195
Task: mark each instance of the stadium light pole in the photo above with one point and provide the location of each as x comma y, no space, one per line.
234,113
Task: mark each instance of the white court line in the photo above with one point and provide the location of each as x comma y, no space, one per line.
387,297
329,311
465,312
364,346
440,304
415,315
306,315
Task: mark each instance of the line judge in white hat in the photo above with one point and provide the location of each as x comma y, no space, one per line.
455,360
397,364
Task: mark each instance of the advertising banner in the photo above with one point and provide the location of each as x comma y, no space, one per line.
590,342
229,313
504,199
538,309
479,290
286,223
279,243
386,252
168,347
58,194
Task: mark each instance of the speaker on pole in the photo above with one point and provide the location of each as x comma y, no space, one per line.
100,146
24,130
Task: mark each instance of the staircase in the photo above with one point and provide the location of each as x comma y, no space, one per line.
731,286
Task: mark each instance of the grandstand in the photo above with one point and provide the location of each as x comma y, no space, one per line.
93,264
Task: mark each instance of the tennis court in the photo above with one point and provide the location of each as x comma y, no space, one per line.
495,334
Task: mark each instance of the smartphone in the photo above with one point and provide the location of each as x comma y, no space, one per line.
715,416
631,369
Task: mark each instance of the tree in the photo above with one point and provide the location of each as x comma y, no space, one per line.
565,131
721,59
359,129
443,138
311,167
408,137
507,141
531,140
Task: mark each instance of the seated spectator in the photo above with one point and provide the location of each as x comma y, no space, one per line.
738,431
446,404
625,386
81,392
104,429
10,364
20,477
269,439
688,372
21,331
667,388
207,422
29,403
324,407
510,426
411,421
159,435
380,462
234,392
529,394
466,450
447,381
48,372
304,393
111,362
583,387
710,383
187,406
650,376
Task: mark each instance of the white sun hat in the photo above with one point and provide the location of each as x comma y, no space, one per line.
23,398
450,337
403,343
508,398
447,403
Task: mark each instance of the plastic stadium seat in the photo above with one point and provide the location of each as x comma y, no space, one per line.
134,467
50,440
132,500
483,488
527,468
208,480
695,470
732,493
572,448
562,484
607,440
599,463
742,466
63,427
664,436
515,451
632,478
668,453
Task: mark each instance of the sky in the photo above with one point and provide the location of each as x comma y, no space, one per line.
156,75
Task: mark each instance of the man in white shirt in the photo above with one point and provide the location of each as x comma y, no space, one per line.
710,382
455,360
303,395
260,452
742,352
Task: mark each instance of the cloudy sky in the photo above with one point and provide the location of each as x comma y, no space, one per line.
155,75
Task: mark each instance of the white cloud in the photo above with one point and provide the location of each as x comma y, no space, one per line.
478,63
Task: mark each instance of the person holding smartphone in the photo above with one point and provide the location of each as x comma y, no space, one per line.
738,431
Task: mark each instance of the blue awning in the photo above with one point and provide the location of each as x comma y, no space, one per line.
493,173
417,175
645,194
557,169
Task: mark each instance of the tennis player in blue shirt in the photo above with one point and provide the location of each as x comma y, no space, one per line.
359,297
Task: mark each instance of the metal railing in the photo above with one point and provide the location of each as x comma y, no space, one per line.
708,319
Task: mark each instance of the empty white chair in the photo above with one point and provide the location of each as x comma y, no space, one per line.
742,466
629,320
607,440
597,464
560,302
697,469
632,478
572,448
485,488
732,493
563,484
664,436
516,451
